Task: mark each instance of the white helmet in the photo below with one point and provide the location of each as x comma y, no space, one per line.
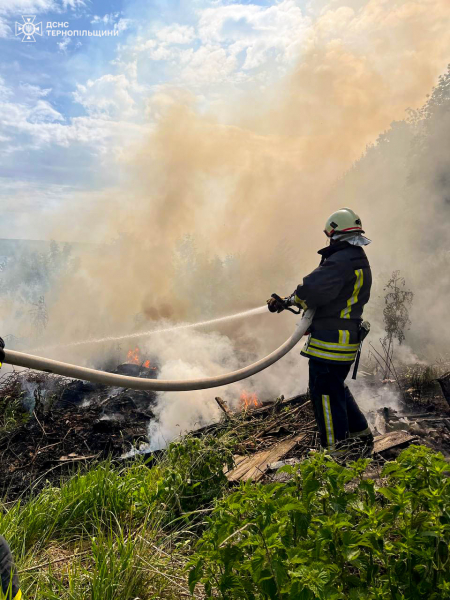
343,220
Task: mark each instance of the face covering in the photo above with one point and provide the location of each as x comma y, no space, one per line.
355,239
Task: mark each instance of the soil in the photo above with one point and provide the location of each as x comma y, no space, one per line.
80,423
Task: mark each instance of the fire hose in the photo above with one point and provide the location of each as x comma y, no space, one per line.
29,361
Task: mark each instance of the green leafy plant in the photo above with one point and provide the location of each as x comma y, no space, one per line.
12,414
195,472
329,533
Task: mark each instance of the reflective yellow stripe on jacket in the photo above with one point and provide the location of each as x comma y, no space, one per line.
340,351
344,337
329,355
300,302
331,346
18,596
345,312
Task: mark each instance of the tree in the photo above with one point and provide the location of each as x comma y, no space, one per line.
39,316
395,314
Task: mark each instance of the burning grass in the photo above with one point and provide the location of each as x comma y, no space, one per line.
249,400
67,422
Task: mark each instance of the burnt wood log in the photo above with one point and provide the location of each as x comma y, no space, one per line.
444,382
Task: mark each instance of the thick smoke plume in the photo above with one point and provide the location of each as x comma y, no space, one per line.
214,217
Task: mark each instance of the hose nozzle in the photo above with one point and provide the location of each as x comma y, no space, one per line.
279,304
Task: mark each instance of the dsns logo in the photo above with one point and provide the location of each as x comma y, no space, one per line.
28,29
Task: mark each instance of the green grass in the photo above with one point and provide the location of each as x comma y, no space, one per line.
329,533
108,522
124,533
12,414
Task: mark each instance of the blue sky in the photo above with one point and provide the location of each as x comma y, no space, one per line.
70,107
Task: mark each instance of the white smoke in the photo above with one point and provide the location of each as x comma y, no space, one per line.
195,354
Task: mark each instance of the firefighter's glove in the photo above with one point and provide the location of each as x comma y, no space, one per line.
277,304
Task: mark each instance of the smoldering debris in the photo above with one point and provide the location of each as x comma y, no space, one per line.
444,382
75,423
50,424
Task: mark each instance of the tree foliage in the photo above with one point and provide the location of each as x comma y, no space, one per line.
396,311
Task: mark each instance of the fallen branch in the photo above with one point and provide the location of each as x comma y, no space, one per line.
173,581
224,408
52,562
40,424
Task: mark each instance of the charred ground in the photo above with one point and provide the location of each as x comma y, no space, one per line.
51,426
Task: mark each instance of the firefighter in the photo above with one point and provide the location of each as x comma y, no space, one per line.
2,345
10,582
338,289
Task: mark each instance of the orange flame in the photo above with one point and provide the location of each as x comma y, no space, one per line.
133,356
249,400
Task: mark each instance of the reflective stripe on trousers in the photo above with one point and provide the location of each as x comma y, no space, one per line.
328,420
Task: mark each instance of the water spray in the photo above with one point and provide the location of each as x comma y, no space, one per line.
47,365
141,334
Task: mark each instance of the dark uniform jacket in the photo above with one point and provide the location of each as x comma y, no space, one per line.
338,289
9,580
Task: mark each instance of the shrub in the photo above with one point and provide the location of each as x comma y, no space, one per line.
194,473
329,533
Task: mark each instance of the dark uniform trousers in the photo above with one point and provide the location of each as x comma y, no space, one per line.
337,415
